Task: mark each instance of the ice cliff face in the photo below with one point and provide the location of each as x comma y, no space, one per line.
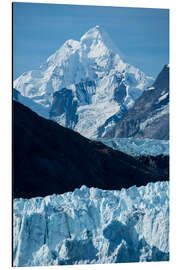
92,226
85,84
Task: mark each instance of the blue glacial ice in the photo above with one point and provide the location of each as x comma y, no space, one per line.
137,147
91,225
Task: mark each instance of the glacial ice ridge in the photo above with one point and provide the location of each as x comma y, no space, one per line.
138,147
91,225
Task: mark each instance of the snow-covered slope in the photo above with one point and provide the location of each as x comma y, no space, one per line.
85,84
28,102
138,147
93,226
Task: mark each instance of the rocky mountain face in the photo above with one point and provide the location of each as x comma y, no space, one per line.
48,158
85,85
149,117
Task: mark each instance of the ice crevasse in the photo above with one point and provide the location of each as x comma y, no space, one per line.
91,225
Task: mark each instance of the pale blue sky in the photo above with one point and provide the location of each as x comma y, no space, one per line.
142,35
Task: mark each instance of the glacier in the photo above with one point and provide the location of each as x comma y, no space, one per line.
92,226
138,147
85,83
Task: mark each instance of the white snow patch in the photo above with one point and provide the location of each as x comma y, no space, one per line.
163,97
150,88
159,113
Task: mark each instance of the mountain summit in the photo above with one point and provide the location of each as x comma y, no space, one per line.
85,85
97,38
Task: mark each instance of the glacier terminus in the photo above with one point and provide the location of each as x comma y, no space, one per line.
91,225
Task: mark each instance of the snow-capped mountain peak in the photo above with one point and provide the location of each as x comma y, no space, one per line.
68,48
97,36
101,84
94,34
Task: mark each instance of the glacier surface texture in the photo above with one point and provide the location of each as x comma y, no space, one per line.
90,226
138,147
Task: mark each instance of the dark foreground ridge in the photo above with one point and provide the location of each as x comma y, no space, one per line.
49,158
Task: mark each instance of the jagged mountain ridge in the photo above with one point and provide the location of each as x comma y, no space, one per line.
48,158
149,117
85,85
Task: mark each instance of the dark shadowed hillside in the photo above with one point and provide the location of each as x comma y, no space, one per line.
48,158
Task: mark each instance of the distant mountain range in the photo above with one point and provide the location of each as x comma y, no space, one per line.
85,85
